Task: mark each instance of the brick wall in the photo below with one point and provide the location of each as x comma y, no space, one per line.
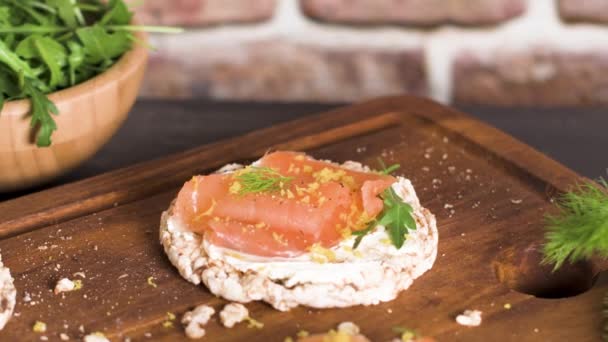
506,52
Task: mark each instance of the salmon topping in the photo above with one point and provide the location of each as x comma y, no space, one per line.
282,207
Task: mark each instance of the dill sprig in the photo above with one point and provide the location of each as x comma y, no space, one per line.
254,179
580,228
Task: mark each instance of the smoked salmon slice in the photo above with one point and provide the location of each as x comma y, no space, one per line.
282,206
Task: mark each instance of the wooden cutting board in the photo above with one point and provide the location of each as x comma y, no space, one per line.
488,191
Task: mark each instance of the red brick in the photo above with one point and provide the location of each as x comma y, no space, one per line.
540,76
414,12
283,71
204,12
584,10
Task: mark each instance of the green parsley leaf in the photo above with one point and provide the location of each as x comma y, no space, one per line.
580,228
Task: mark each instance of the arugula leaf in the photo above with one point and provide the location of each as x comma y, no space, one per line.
29,10
118,14
48,45
48,51
5,15
396,217
7,84
66,11
42,108
75,59
13,61
100,46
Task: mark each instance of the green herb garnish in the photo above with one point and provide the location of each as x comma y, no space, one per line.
396,216
49,45
254,179
580,229
387,170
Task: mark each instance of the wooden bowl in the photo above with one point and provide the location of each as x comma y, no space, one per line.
89,114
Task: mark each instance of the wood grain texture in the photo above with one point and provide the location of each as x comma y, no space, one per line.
107,227
89,114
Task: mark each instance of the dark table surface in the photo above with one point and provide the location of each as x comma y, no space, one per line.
155,128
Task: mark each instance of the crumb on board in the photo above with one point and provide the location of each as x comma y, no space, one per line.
507,306
469,318
196,319
67,285
64,337
349,328
232,314
516,201
96,337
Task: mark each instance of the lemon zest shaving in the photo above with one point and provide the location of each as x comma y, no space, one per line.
207,212
302,333
39,327
235,187
151,282
279,238
320,254
253,323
